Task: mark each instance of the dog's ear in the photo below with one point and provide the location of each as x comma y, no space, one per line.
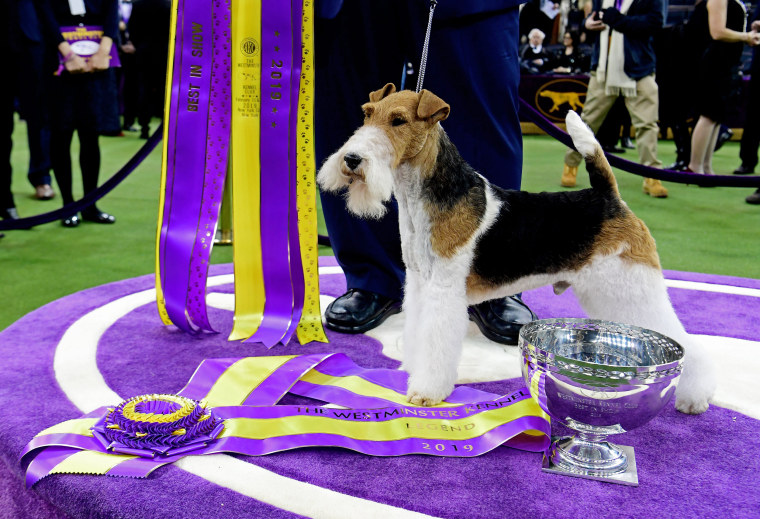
384,92
432,107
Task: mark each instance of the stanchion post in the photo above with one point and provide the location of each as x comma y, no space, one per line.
224,232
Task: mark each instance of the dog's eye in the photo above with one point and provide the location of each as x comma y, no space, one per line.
398,121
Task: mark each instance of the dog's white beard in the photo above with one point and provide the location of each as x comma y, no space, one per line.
364,198
329,176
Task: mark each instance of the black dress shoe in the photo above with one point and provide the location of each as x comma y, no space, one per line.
744,170
71,221
501,319
9,213
98,217
679,165
613,149
754,198
627,143
723,137
358,311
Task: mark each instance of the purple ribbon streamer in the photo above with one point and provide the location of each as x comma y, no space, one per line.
276,65
46,461
217,146
205,377
296,266
188,158
281,382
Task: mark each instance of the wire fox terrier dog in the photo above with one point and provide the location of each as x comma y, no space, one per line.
465,241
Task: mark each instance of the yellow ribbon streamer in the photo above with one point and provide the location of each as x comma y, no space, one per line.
310,326
79,426
90,462
160,302
242,378
246,167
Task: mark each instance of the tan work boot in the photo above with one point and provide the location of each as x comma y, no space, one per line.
568,176
654,188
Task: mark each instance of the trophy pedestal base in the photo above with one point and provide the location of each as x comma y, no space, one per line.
628,477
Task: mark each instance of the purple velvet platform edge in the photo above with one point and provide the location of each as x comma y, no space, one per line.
688,465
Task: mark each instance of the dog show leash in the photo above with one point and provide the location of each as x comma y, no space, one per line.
423,59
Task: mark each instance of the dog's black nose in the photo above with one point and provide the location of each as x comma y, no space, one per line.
352,160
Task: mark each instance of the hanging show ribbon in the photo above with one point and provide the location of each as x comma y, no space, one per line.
310,324
229,406
195,161
276,68
246,171
229,92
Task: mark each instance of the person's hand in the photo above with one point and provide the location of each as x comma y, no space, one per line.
753,38
594,23
538,62
128,48
562,70
610,16
99,61
75,64
755,26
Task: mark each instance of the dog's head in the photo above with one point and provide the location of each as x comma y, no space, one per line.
397,127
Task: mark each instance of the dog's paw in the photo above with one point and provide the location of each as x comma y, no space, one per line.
418,399
689,406
426,392
693,399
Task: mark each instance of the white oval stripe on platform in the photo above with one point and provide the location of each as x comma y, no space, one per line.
711,287
76,371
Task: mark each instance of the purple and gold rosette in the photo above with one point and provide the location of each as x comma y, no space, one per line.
230,406
163,425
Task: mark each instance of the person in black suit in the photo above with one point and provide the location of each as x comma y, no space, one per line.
473,65
149,33
534,58
27,51
7,204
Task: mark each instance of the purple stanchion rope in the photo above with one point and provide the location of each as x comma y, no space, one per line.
667,175
93,196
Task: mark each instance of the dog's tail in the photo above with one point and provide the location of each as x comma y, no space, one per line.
599,170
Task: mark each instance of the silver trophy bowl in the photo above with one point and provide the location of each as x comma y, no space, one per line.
597,378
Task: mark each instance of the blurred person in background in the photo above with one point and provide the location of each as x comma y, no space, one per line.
82,95
720,34
149,33
623,63
534,58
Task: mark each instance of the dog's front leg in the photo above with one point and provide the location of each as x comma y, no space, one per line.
439,330
412,314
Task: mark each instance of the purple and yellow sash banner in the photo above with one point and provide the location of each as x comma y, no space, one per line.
241,75
229,406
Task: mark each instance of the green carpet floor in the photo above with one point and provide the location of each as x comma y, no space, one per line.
697,229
